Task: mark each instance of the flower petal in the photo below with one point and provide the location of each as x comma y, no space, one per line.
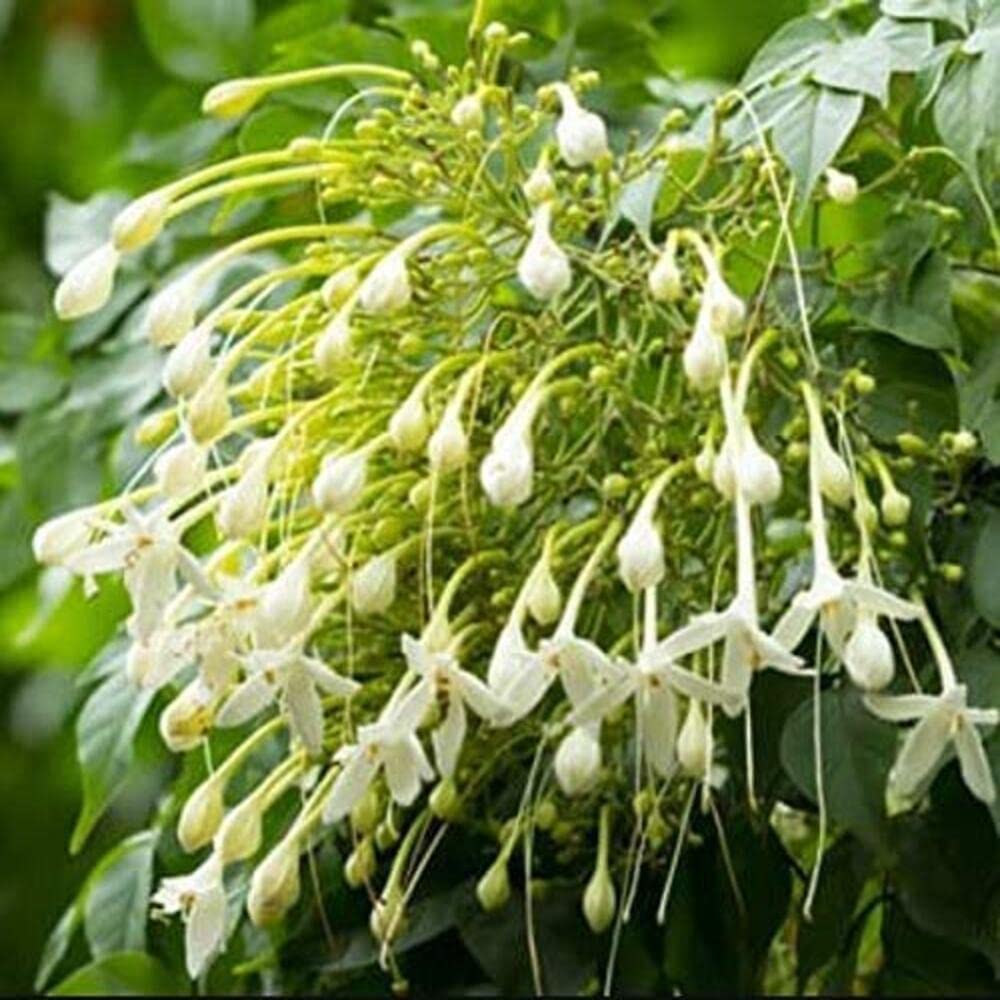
305,710
604,700
328,679
449,737
900,707
403,770
922,750
658,722
881,601
701,689
355,776
249,698
697,634
794,624
478,696
205,930
973,761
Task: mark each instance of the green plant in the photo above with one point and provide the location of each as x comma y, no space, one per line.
480,455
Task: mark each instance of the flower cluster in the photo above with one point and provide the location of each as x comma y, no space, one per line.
403,440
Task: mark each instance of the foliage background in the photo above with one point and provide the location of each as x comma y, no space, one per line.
101,94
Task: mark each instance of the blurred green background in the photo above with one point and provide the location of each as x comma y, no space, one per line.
83,106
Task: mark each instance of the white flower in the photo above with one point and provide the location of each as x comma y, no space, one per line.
757,472
408,426
507,472
390,744
341,482
190,363
539,186
242,510
58,539
694,742
296,677
665,281
510,649
726,310
180,471
448,447
172,313
940,719
840,187
285,605
468,113
581,134
386,289
641,561
544,268
149,554
200,898
578,761
141,221
334,344
373,586
704,355
155,661
88,284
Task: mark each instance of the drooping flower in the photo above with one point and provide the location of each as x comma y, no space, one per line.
704,355
373,586
507,473
544,268
172,313
581,134
189,364
88,285
386,289
200,898
341,481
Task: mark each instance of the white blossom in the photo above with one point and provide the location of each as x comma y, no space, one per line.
180,471
88,285
373,586
582,135
386,289
341,482
172,313
544,268
190,363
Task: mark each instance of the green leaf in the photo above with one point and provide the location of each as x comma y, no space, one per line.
199,40
977,311
116,903
16,528
846,866
857,752
859,65
276,125
936,10
984,573
812,134
910,42
790,47
127,974
27,385
958,109
105,731
73,229
58,944
637,201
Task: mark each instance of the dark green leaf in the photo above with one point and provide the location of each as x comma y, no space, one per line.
126,974
958,109
105,731
116,905
984,576
58,944
857,752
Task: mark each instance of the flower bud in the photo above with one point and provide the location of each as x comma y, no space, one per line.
140,661
58,539
360,866
341,482
724,469
895,507
599,900
467,114
140,222
275,886
726,310
641,561
233,98
757,472
180,471
285,605
868,655
339,287
388,918
186,720
408,426
444,801
209,411
242,511
333,345
577,762
448,448
241,832
581,134
544,268
373,587
387,287
835,481
540,186
202,814
704,355
367,813
693,742
964,443
543,599
704,463
493,889
507,473
190,363
665,281
172,313
840,187
88,285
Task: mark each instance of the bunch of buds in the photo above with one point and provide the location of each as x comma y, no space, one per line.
375,615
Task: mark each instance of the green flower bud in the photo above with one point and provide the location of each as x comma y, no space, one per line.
493,889
895,507
360,866
599,900
366,814
202,814
445,801
951,572
546,814
911,444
